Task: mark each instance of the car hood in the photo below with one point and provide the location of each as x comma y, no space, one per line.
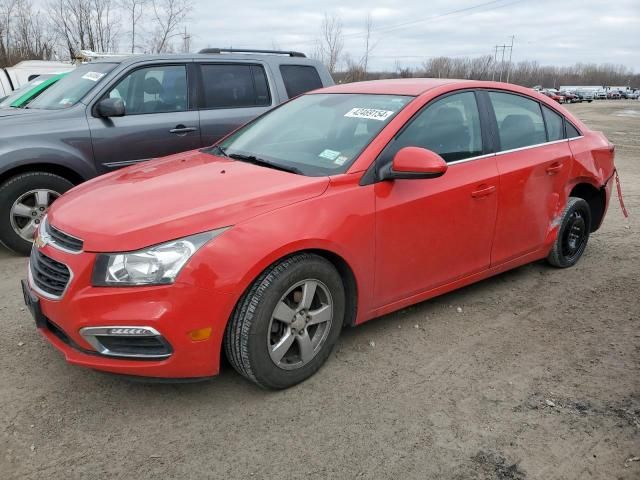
173,197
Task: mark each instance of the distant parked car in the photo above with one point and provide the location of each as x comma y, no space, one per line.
614,95
585,95
554,96
633,95
21,97
115,112
570,97
601,95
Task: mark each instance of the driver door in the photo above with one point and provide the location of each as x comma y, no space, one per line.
158,120
430,232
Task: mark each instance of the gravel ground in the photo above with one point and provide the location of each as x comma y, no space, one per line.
532,374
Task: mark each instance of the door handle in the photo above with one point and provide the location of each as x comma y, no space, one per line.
483,191
182,130
554,168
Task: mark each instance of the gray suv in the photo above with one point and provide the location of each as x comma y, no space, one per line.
119,111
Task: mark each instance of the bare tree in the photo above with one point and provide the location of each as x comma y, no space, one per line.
133,10
85,24
331,42
167,17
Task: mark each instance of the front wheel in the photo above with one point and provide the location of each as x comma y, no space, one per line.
286,324
24,201
573,235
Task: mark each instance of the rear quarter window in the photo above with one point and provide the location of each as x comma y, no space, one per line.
572,132
299,79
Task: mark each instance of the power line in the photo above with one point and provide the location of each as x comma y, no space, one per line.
468,10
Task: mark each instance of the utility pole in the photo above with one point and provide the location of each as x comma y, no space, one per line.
186,41
503,49
510,53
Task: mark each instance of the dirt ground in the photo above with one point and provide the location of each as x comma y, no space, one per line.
536,377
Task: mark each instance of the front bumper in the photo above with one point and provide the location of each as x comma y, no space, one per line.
174,311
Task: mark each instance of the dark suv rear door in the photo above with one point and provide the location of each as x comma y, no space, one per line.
231,94
160,118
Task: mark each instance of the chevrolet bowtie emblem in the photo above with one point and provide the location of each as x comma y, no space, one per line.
40,242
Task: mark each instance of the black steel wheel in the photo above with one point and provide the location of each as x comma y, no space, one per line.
573,234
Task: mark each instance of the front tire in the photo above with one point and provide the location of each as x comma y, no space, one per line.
285,326
573,235
24,200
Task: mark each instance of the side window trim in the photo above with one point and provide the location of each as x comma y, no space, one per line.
200,105
124,74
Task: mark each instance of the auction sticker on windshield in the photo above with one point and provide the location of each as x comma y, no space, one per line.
369,113
93,76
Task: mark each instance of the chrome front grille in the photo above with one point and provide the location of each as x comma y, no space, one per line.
48,276
62,240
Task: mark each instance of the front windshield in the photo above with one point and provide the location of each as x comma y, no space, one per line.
72,88
317,134
16,94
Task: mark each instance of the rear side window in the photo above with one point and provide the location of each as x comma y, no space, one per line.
299,79
450,127
233,86
520,122
572,132
555,129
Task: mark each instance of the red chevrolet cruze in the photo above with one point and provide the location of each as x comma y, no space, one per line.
337,207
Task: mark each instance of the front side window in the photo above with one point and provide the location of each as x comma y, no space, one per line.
317,134
73,87
234,86
154,89
519,120
450,127
299,79
555,128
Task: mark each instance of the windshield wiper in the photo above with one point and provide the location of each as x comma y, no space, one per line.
218,149
265,163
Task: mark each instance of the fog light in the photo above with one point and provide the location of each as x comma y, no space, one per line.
200,334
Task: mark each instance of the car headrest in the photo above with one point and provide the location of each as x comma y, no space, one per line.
449,115
152,86
521,123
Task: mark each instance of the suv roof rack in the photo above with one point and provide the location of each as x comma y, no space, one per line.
250,50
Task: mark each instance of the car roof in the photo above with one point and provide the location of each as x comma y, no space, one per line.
396,86
224,57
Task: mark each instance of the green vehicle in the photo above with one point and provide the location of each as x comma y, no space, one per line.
30,90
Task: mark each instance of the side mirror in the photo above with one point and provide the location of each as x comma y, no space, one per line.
414,163
110,107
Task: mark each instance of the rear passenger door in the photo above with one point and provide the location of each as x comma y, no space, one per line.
231,94
533,161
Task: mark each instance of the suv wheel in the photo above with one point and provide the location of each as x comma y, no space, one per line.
285,326
24,201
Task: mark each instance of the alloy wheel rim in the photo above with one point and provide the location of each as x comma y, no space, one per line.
574,236
300,324
29,209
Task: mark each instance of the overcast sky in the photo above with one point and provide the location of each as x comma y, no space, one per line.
558,32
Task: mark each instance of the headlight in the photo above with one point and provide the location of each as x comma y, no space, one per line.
158,265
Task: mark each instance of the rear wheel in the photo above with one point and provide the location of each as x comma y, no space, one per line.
285,326
573,234
24,201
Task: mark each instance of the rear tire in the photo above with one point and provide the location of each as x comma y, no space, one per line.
24,200
285,326
573,234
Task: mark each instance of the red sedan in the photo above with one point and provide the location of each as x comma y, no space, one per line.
342,205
